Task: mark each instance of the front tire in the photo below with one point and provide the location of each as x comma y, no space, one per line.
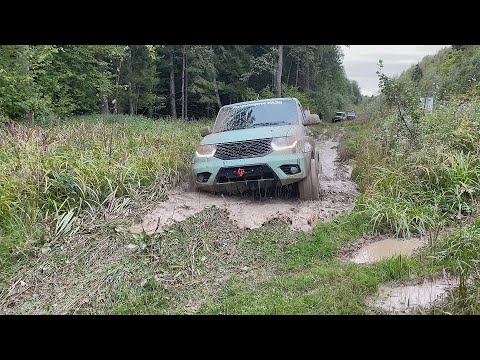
309,187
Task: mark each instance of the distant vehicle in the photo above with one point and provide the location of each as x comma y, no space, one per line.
351,115
339,116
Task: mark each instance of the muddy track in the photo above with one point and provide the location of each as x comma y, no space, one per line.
86,269
338,193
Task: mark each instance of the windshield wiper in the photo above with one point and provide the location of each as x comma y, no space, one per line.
271,123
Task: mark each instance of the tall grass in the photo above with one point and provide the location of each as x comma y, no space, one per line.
459,251
53,174
426,186
410,188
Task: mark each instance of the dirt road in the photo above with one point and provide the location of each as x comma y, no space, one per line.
338,193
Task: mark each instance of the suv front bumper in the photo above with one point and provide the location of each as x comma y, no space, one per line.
267,171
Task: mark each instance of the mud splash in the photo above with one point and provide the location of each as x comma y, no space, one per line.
386,248
408,298
337,189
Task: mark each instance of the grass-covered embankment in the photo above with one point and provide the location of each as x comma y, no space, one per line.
423,178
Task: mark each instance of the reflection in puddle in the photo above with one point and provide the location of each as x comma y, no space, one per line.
379,250
406,298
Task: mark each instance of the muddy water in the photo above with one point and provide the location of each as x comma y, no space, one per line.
328,151
408,298
338,195
382,249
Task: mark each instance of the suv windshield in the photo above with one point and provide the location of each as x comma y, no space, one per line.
339,114
255,114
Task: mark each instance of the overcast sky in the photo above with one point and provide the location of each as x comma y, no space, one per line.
360,61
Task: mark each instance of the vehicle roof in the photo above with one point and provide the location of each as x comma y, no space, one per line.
260,100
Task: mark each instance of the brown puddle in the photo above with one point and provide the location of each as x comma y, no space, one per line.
339,193
382,249
407,298
245,212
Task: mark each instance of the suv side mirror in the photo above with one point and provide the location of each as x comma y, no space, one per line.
311,119
205,131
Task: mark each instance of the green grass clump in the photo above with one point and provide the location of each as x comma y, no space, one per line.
54,175
459,253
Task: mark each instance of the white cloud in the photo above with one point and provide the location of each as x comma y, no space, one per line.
360,61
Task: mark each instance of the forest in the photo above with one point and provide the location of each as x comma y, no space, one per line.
180,81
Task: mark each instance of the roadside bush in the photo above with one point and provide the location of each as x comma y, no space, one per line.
459,252
413,184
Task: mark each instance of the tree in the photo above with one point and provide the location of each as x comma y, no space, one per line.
78,78
357,95
205,86
21,92
173,105
404,99
184,81
417,74
140,81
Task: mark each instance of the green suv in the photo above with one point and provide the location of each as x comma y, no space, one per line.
257,145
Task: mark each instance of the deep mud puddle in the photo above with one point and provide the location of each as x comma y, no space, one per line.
386,248
338,194
408,298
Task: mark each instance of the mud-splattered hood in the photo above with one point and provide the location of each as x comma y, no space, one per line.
255,133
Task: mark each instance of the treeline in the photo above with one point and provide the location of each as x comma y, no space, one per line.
451,72
186,81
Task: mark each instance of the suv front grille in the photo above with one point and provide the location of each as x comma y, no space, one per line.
243,149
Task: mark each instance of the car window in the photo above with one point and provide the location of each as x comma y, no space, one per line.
254,114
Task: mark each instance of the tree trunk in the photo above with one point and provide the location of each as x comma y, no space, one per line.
296,77
186,84
289,69
274,67
278,72
183,82
104,109
130,99
130,85
307,77
117,87
172,87
23,57
219,103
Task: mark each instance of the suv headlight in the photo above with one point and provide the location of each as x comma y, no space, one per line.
284,143
206,150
